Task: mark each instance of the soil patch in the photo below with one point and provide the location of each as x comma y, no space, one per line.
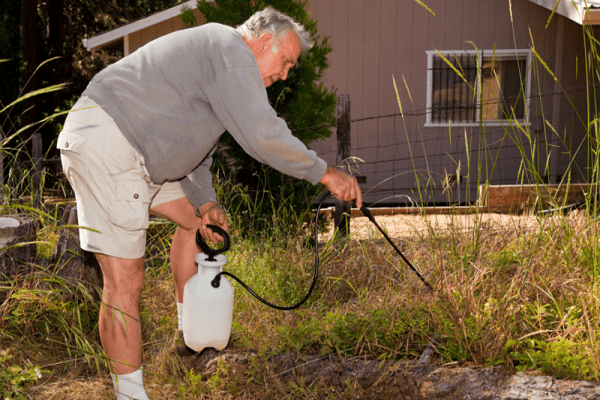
405,225
334,376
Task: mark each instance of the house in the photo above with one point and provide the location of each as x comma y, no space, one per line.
485,91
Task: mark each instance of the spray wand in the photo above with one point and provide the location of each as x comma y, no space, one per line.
367,213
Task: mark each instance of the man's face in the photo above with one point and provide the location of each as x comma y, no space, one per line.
276,59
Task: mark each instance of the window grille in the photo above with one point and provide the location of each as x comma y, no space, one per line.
453,97
470,87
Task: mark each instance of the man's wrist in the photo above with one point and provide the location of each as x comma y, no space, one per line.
328,175
203,209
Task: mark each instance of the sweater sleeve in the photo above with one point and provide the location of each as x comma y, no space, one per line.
197,185
239,99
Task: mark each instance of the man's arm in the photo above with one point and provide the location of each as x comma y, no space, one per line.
198,188
239,100
197,185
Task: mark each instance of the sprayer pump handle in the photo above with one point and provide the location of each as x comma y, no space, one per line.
206,249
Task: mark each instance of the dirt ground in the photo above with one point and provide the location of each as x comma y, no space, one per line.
406,225
335,377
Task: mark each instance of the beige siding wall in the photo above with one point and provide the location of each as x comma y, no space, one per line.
140,38
374,40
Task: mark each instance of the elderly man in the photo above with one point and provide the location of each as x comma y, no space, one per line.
141,139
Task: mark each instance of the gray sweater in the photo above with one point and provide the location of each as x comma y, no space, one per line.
174,97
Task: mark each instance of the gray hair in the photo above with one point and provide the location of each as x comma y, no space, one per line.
277,24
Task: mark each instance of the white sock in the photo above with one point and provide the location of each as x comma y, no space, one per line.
130,386
180,316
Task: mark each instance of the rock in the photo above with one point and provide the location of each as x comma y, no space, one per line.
9,222
16,229
69,260
523,386
462,383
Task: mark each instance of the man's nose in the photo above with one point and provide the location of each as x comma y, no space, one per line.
284,73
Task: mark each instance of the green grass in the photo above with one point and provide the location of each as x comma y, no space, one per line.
522,298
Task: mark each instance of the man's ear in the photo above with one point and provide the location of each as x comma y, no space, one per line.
266,42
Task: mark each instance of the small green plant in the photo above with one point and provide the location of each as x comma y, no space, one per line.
561,358
349,334
194,385
14,379
256,372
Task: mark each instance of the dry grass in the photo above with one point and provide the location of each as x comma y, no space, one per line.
507,290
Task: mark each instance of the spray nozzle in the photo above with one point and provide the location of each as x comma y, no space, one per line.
209,251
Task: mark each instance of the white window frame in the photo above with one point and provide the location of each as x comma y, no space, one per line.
479,56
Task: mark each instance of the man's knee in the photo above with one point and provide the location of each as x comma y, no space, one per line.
123,278
189,229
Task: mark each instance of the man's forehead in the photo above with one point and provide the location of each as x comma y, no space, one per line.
290,37
295,45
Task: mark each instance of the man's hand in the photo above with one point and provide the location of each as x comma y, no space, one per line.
212,214
342,186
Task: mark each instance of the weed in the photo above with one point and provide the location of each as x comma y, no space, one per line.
15,379
561,358
194,385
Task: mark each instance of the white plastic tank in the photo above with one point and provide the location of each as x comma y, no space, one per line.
207,311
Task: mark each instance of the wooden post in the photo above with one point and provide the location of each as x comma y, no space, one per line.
36,158
342,208
18,243
1,161
70,261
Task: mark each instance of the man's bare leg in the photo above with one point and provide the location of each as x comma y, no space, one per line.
119,324
183,265
183,247
183,251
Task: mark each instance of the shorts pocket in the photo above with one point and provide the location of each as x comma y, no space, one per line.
132,205
69,141
73,152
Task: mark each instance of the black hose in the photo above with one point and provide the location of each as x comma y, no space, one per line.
217,279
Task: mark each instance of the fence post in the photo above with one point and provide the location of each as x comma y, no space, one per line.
342,208
1,161
36,157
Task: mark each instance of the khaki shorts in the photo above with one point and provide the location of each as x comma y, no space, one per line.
112,187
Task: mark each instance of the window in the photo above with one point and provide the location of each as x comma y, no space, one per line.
491,87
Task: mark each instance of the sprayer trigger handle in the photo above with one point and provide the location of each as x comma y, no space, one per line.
206,249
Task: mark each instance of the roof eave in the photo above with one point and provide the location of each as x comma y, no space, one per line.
578,11
591,17
117,33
